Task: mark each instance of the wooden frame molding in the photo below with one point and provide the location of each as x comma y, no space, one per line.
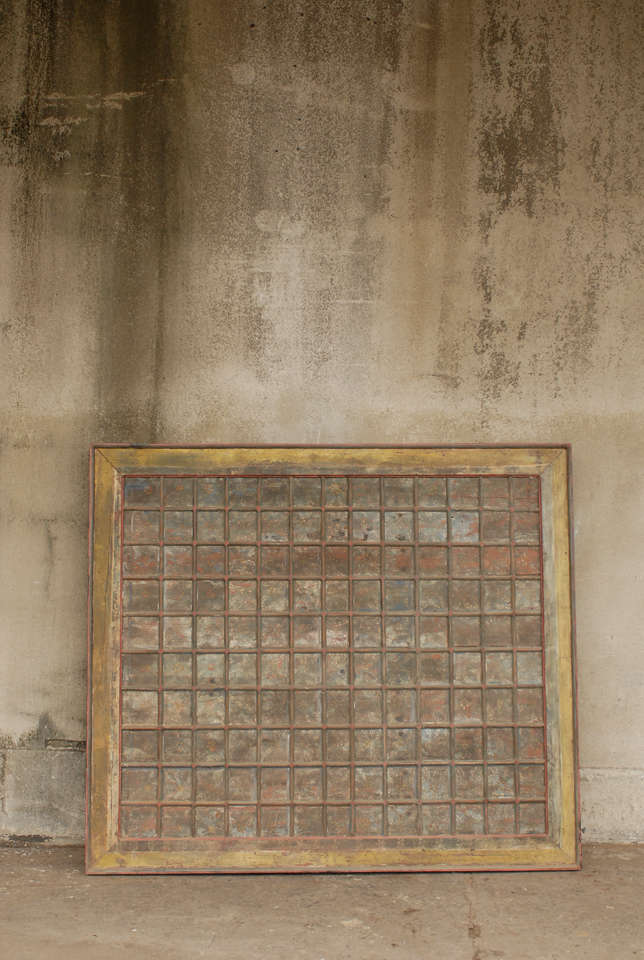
209,834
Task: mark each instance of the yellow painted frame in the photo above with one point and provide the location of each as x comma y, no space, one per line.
107,854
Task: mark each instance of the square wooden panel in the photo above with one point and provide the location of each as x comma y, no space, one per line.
309,659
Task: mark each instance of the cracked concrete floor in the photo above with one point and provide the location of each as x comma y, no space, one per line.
49,909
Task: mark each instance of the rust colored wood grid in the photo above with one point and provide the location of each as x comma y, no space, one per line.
331,659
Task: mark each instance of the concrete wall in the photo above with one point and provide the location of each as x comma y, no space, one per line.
310,221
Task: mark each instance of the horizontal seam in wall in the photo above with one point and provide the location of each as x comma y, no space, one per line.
614,771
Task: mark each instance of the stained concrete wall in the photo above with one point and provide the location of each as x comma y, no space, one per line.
310,221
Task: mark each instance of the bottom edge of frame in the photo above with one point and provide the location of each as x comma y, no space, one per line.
125,870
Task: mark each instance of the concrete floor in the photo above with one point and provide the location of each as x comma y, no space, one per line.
49,909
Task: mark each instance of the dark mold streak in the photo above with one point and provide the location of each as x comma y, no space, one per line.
35,739
105,115
520,148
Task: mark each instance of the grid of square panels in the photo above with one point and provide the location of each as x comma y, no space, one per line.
332,656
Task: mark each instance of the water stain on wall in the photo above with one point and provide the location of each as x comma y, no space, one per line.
520,142
101,114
